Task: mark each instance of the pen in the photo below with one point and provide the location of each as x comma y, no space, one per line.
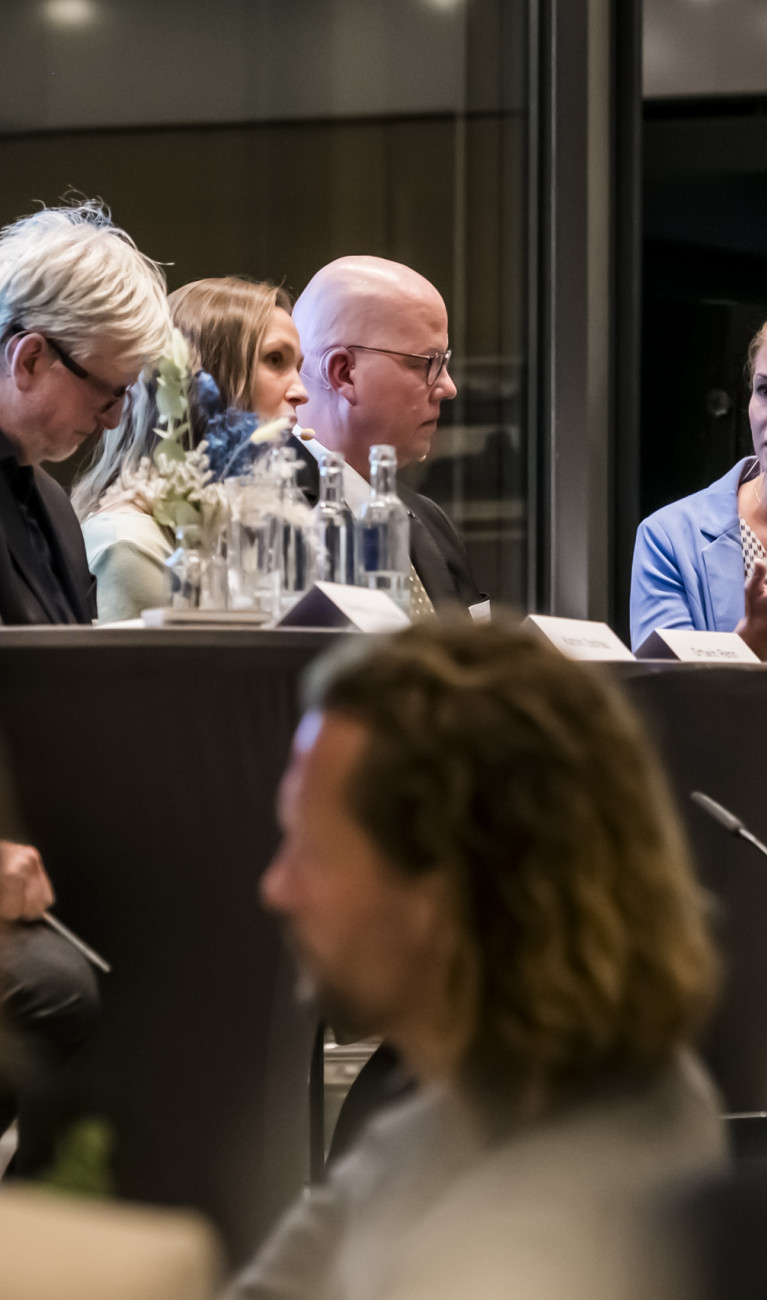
65,933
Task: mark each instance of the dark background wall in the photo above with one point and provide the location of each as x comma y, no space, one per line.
278,200
705,286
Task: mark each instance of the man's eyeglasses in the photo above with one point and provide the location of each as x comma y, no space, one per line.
435,361
74,367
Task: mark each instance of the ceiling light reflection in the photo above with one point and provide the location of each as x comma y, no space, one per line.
444,6
70,13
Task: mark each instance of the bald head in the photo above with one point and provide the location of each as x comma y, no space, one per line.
367,326
352,293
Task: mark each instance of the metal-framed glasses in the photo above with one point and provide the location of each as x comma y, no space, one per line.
435,361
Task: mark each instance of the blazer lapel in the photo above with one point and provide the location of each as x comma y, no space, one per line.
56,534
428,560
722,553
21,550
723,562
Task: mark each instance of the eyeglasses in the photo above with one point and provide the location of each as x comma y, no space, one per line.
435,361
111,394
74,367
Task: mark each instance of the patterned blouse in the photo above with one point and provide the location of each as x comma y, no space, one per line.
752,548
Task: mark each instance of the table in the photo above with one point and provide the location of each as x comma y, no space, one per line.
710,723
146,764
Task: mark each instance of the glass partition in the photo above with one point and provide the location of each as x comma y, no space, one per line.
268,138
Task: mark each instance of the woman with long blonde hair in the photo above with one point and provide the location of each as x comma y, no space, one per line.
242,334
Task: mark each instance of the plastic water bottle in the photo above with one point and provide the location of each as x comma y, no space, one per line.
382,533
334,523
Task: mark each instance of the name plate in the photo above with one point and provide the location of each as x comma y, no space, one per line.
333,604
578,638
689,646
481,612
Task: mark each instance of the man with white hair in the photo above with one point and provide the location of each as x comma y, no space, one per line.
81,312
374,336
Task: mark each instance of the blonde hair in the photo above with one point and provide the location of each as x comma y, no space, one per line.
754,348
530,781
224,321
71,273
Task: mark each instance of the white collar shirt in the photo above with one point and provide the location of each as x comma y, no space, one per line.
356,488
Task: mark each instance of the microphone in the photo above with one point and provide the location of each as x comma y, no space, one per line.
726,819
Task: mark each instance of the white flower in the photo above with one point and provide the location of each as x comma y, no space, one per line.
270,431
174,492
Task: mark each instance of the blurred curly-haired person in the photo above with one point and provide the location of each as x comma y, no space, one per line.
480,863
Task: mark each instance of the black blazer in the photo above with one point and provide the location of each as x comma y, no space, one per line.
23,598
437,552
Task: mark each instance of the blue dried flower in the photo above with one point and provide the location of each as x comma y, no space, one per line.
206,394
230,450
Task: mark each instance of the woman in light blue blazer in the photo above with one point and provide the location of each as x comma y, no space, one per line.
702,562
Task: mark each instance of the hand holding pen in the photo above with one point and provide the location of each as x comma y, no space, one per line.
26,894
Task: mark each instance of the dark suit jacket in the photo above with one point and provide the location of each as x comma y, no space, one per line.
437,552
23,597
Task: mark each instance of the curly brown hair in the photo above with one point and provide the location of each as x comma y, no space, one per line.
529,779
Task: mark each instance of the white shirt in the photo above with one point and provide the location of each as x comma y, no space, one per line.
356,488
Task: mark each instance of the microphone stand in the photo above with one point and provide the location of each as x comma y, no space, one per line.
726,819
735,827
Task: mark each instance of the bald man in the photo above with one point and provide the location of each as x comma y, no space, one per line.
374,336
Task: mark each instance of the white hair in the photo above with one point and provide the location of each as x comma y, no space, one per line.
71,273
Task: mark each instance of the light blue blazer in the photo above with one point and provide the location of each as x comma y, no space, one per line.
688,562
